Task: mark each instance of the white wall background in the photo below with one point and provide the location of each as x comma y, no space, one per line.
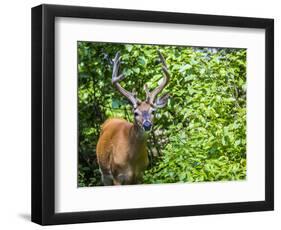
15,113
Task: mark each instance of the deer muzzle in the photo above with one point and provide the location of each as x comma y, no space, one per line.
147,125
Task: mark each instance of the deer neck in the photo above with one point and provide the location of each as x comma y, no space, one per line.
138,140
138,136
138,132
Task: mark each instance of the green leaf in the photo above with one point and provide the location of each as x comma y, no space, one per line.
129,47
185,67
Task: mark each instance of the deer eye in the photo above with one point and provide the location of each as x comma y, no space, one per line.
136,114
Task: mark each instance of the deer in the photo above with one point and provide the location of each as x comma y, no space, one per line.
121,149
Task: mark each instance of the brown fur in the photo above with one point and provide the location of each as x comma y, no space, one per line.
121,152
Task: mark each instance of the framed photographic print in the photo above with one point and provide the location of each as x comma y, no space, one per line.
142,114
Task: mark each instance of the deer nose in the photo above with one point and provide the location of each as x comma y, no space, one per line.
147,125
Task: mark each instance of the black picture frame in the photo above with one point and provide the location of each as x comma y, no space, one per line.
43,110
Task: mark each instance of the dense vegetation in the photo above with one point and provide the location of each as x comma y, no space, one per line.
199,136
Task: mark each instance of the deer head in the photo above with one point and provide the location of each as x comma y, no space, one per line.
143,110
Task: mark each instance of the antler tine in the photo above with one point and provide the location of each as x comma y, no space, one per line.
116,65
162,101
145,87
162,59
116,78
164,82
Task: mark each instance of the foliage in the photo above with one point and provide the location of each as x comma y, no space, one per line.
199,136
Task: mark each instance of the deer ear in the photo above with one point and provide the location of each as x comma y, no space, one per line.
162,101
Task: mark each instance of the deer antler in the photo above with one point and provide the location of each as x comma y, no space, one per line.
131,96
150,96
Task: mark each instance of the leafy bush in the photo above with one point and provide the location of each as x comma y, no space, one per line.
199,136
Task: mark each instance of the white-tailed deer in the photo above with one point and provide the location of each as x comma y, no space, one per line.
121,149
